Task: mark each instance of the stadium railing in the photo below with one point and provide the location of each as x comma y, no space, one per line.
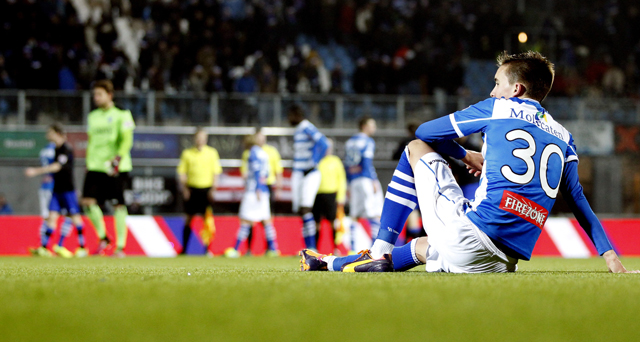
28,107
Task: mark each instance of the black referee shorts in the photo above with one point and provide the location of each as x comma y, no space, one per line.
104,188
198,201
325,206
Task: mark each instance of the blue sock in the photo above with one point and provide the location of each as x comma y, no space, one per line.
399,201
270,233
309,230
404,257
65,230
243,232
338,262
80,231
45,234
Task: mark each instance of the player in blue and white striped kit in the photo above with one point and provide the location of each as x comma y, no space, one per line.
527,158
47,155
255,205
365,192
309,147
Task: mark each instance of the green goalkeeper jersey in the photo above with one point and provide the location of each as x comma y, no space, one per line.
110,134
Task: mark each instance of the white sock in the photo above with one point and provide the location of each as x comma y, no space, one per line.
329,260
380,248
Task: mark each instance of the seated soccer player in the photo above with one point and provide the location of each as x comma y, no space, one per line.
527,158
64,194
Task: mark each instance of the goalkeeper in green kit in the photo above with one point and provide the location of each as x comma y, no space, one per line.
110,138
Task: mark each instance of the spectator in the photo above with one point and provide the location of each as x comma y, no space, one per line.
5,208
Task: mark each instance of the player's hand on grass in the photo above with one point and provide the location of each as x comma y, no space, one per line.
614,264
474,161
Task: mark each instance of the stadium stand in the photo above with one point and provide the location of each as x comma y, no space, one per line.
385,47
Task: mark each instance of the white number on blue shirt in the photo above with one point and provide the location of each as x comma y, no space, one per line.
526,155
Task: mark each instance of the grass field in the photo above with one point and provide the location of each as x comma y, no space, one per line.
143,299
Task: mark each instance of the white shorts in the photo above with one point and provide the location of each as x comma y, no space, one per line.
254,209
363,202
304,189
456,245
44,196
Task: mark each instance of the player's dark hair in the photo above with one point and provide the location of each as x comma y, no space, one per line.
249,141
534,71
363,121
412,127
56,127
296,113
104,84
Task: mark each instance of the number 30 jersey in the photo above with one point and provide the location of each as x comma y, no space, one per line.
526,153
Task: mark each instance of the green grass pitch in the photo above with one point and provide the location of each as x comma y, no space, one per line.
262,299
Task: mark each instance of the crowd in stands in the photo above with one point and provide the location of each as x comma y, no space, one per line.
269,46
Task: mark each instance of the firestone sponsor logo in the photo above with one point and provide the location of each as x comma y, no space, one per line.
524,208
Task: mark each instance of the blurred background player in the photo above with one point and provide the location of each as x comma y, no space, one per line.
255,201
332,192
5,208
63,196
47,156
274,181
309,146
365,192
198,174
110,138
414,228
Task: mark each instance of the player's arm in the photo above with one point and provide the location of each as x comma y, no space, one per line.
439,133
341,176
367,164
243,163
574,196
37,171
181,171
320,148
217,169
277,167
125,140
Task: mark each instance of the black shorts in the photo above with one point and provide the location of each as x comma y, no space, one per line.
325,205
198,201
104,188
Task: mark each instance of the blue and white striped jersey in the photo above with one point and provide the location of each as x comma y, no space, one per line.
309,146
528,158
358,161
47,155
257,170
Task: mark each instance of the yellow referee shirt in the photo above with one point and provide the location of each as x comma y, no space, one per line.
200,166
275,164
333,177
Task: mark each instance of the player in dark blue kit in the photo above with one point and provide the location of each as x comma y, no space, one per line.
64,194
526,159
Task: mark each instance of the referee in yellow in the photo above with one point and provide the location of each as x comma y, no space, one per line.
274,180
333,189
198,174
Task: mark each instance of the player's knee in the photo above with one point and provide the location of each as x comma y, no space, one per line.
304,211
417,149
86,201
